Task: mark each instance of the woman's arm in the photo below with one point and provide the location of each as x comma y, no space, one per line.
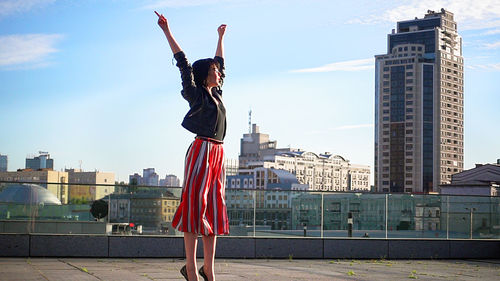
163,23
220,44
219,55
188,85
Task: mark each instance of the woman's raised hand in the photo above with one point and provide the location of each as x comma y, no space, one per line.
162,21
221,30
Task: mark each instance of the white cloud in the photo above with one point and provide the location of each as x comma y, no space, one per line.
27,49
491,32
8,7
486,67
469,14
180,3
493,45
352,65
348,127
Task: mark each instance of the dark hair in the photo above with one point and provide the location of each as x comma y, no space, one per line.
200,70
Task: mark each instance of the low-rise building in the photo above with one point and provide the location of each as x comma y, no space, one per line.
153,208
481,180
54,181
325,172
89,186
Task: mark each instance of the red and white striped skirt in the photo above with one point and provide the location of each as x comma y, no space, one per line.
202,208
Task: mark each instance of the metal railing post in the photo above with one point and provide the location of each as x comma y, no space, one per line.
386,213
254,207
322,212
447,217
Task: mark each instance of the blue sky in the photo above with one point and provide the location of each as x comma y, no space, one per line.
93,81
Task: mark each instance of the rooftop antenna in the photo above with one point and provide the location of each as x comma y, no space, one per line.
80,162
250,121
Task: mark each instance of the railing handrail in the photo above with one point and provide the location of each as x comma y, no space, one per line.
256,189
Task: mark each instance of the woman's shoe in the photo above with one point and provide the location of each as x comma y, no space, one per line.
184,272
202,274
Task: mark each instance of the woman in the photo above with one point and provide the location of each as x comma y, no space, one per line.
202,209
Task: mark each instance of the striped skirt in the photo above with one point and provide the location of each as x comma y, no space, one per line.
202,208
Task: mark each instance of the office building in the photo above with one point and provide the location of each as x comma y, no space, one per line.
150,177
4,161
42,161
419,122
231,166
170,180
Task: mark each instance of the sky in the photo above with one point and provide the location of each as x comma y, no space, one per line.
93,82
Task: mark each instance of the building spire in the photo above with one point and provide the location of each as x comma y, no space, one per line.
250,121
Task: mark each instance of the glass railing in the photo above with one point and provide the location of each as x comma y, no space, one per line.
148,210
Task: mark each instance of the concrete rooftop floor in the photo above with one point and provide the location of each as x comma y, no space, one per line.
67,269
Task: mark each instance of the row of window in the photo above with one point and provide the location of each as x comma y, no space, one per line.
452,120
399,61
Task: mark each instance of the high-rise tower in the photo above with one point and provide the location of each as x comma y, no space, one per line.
419,105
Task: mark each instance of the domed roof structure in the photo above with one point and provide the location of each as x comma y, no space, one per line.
29,194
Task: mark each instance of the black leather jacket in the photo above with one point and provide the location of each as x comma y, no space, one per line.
203,115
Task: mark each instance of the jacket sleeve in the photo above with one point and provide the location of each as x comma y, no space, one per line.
222,71
188,85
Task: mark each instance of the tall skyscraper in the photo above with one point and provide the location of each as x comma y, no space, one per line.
4,160
419,105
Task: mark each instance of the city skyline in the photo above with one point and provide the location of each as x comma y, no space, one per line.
94,82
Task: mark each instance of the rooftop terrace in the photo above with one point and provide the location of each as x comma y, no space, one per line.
69,269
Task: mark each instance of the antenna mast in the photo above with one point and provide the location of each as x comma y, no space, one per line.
250,121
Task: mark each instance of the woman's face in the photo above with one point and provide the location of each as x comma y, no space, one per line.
213,77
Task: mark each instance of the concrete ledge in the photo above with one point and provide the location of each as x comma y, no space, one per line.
42,245
68,246
231,247
301,248
14,245
418,249
474,249
355,248
241,248
146,247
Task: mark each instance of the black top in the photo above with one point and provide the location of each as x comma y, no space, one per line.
207,115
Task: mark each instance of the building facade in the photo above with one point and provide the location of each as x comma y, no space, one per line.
170,180
482,180
4,161
150,177
419,105
153,209
54,181
324,172
89,186
42,161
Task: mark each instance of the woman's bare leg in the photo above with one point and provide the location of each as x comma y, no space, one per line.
190,242
209,255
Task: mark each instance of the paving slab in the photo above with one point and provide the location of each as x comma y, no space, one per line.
162,269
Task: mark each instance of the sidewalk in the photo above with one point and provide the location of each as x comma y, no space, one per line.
82,269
